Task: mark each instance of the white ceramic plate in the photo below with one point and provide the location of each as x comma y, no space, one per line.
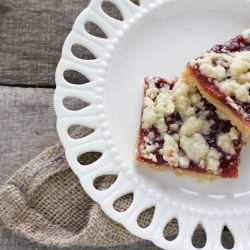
156,38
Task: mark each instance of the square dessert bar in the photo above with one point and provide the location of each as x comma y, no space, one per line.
181,131
222,75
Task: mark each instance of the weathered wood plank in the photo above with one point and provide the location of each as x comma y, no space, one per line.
31,37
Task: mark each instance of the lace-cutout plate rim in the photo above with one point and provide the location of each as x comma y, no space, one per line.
147,41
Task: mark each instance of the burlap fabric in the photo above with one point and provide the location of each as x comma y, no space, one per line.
45,202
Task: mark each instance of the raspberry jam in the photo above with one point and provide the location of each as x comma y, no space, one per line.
236,44
228,163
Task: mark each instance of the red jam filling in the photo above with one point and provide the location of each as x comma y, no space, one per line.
236,44
228,163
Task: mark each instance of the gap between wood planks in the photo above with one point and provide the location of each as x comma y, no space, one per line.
21,85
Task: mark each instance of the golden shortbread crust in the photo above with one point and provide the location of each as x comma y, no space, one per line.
179,172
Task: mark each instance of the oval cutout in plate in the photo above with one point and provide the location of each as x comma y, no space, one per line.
156,38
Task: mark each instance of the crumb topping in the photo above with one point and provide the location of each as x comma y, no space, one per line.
195,147
184,138
246,35
216,72
229,70
170,150
157,105
234,134
213,162
225,142
191,126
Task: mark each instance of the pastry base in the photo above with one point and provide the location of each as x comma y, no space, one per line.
199,177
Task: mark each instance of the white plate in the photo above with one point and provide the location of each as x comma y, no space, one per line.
155,39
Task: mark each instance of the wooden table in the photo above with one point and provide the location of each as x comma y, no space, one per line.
32,33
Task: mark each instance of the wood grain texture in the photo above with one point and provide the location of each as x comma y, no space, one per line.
32,33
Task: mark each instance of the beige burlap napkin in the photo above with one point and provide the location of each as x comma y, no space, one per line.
45,202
